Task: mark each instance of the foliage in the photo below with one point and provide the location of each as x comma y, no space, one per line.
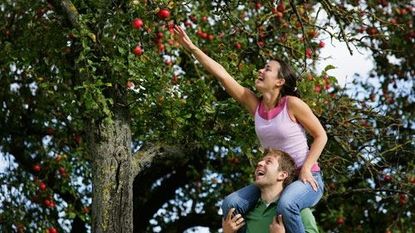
66,67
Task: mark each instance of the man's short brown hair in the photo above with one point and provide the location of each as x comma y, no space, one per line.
285,163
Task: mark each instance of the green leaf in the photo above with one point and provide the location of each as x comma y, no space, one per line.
329,67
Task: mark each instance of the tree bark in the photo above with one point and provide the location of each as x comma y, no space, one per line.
112,203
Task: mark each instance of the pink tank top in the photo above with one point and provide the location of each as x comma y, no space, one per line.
275,129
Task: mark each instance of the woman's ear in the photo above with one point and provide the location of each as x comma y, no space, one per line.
280,82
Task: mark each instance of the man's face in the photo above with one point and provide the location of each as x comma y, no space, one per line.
266,172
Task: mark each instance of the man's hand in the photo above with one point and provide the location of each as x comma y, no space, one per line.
277,225
232,224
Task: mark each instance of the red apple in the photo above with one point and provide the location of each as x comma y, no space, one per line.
163,14
77,138
193,18
403,199
85,210
281,6
238,45
168,62
160,47
50,131
52,230
308,53
384,3
52,204
42,186
137,23
138,50
312,33
387,178
258,5
340,220
62,171
278,14
187,23
46,202
361,29
37,168
321,44
372,31
317,88
174,79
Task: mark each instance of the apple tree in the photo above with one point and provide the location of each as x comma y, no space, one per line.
109,126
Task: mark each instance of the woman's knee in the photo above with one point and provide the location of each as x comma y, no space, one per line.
230,201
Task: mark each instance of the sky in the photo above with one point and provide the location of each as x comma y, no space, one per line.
337,54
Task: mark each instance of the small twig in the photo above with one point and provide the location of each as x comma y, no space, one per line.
304,34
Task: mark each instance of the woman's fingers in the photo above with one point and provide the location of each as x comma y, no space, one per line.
312,182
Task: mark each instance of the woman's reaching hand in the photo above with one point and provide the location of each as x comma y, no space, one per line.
183,38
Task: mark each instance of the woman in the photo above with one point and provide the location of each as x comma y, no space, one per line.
281,120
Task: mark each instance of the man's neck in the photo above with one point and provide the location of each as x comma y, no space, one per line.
270,194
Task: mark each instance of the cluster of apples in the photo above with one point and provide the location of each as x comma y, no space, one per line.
138,23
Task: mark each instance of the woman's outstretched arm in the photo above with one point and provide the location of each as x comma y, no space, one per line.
243,95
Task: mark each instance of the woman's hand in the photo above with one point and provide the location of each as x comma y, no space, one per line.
183,38
232,224
306,177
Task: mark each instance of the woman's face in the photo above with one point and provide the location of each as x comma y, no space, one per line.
268,77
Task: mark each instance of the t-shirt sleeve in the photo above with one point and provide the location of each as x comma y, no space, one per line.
309,221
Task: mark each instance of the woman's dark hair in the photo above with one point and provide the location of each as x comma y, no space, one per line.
287,73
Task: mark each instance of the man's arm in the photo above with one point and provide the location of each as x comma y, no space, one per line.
232,224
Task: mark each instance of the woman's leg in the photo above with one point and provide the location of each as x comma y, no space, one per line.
295,197
242,200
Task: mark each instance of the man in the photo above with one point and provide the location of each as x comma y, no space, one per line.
275,171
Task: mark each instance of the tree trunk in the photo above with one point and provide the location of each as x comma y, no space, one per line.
112,203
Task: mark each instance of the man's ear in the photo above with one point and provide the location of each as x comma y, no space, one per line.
282,175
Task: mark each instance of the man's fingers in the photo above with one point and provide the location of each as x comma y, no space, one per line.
240,225
279,219
274,220
239,219
230,213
